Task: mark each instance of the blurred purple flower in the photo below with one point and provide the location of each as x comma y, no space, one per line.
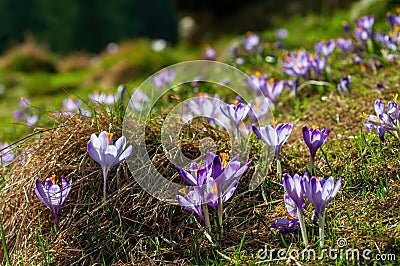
297,65
344,86
346,26
71,106
272,89
103,150
251,41
138,100
24,113
260,107
52,195
99,98
235,49
324,48
282,33
363,31
274,137
386,41
209,53
163,78
344,44
318,64
393,20
6,154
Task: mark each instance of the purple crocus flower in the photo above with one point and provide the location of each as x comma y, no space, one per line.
325,48
366,23
30,120
291,223
163,78
203,105
317,63
274,137
384,120
6,154
272,89
24,113
297,65
320,191
363,32
393,20
235,112
235,49
314,138
386,40
71,106
209,53
344,86
293,188
257,81
251,42
193,202
346,26
344,44
103,150
52,195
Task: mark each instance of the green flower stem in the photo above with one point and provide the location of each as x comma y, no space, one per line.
321,223
302,227
279,168
220,212
206,217
312,168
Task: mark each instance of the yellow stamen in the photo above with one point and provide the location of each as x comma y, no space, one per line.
257,74
274,123
224,158
364,115
280,209
214,189
201,94
398,10
235,102
271,80
363,68
53,179
183,191
312,57
109,137
395,97
314,127
249,33
290,217
318,177
396,28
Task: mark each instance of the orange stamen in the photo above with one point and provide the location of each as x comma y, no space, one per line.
109,137
53,179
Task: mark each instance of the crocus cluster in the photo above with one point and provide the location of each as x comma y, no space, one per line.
6,155
344,86
386,119
24,113
52,195
251,41
344,44
267,86
213,183
303,64
318,191
103,150
363,31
